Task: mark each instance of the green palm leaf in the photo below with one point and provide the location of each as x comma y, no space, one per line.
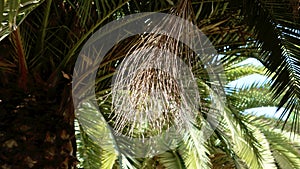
194,148
171,159
246,145
283,149
277,38
96,138
12,13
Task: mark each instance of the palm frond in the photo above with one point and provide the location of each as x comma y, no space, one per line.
222,151
267,159
252,97
236,72
18,42
97,138
128,163
246,145
12,13
88,152
171,159
277,37
194,148
283,149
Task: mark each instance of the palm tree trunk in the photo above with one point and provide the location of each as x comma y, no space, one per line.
34,133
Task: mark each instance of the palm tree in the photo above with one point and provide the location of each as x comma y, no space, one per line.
228,147
266,130
40,41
